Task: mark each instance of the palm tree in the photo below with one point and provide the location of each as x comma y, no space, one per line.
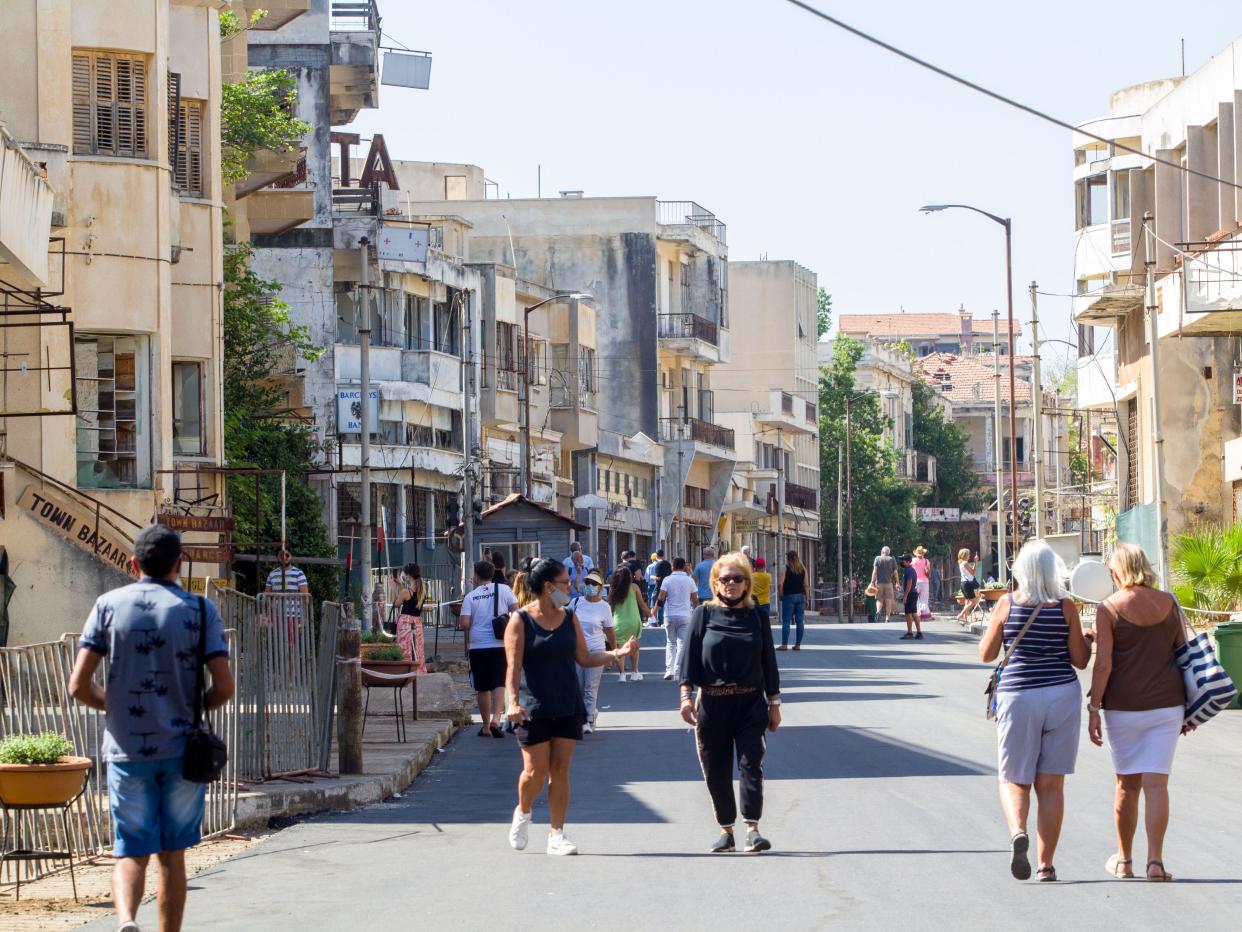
1208,565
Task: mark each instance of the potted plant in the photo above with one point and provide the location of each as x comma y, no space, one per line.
388,659
40,770
959,597
993,591
372,642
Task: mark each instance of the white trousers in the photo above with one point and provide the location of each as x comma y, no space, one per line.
675,634
588,679
923,587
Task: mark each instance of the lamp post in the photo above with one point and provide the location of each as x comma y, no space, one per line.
1007,223
565,296
849,484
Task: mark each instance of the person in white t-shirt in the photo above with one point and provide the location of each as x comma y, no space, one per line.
679,596
487,653
595,619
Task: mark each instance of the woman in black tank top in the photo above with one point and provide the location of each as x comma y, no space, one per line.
410,599
544,641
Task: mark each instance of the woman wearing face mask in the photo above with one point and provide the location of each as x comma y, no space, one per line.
543,641
626,601
595,618
729,657
410,598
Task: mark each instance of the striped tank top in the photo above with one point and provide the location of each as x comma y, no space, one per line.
1042,658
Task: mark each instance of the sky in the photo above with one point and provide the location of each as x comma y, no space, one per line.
809,143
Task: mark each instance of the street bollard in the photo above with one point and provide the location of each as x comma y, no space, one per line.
348,694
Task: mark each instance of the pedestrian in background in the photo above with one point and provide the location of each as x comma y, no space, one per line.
486,601
578,564
703,574
155,636
628,610
1038,708
884,578
677,598
761,581
544,642
1139,687
595,618
730,660
749,559
909,599
410,599
922,571
970,585
792,595
497,560
664,569
649,575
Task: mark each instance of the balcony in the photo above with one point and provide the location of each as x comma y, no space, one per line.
1105,305
693,429
25,217
357,202
1214,290
688,213
986,470
917,467
268,167
277,210
799,496
1097,387
789,413
690,335
279,12
354,66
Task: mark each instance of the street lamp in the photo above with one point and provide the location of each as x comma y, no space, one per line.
1007,223
565,296
849,487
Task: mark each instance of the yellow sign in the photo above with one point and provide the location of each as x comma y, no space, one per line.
62,516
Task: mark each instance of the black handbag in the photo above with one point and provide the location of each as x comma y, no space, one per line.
499,622
205,754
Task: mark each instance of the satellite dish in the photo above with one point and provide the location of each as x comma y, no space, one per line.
1091,581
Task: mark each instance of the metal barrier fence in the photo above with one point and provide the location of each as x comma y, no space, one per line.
34,697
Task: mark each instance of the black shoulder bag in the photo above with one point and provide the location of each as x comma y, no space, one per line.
499,622
205,754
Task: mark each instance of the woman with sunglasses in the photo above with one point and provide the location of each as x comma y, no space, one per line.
729,657
411,598
545,642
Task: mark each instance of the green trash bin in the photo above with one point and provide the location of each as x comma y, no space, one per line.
870,603
1229,651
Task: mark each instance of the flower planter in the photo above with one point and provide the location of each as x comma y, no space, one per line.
993,595
366,650
960,599
43,784
387,667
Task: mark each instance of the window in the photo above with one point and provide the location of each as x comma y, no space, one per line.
685,289
416,528
348,507
1092,200
670,286
114,411
1121,195
537,361
506,341
188,142
1086,340
416,321
109,104
189,438
446,335
1132,454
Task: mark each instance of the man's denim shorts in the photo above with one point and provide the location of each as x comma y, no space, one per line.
153,807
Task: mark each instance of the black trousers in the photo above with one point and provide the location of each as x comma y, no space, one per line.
728,724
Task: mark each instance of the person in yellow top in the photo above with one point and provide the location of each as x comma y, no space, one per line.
761,589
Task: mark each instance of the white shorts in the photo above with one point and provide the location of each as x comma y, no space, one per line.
1037,731
1143,742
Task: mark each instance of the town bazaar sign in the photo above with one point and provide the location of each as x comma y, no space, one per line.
62,516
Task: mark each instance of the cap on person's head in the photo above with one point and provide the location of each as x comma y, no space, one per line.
594,575
157,549
905,558
760,563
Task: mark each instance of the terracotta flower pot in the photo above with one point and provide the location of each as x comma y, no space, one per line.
43,784
992,595
388,667
960,599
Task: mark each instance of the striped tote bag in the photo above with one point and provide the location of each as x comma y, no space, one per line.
1209,689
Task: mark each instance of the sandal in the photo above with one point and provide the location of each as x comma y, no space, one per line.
1019,865
1163,877
1113,866
1047,874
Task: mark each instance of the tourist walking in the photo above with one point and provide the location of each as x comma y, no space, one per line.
703,574
884,578
678,597
1038,701
792,594
761,582
578,564
663,569
410,599
729,659
629,608
286,577
544,642
156,637
486,601
1138,686
908,597
595,618
922,570
968,583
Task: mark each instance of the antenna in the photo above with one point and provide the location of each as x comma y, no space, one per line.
1183,58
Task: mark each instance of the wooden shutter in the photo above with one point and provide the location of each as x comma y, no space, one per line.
192,117
130,106
175,126
105,104
109,104
83,136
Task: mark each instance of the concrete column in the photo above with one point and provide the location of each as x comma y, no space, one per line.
1201,194
1168,211
1225,148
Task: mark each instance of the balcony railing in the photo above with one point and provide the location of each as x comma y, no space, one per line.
688,326
363,202
421,436
1121,237
508,379
682,212
691,428
799,496
355,16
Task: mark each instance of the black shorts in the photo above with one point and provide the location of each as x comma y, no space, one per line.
969,588
912,602
487,668
543,730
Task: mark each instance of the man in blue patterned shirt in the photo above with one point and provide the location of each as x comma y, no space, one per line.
149,631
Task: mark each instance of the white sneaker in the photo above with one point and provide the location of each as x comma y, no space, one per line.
622,677
588,728
559,844
517,831
668,676
636,677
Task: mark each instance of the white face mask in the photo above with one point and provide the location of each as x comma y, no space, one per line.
560,598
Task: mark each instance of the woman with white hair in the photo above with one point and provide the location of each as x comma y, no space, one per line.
1038,701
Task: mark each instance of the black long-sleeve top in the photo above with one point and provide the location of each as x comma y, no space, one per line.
729,646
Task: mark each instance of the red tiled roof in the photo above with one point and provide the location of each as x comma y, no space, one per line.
957,377
916,325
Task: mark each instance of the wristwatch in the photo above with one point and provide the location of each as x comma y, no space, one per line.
1092,707
776,701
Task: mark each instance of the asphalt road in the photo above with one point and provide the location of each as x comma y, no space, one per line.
881,806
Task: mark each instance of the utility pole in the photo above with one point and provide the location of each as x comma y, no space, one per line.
469,380
364,367
1013,391
780,501
840,573
1157,435
1002,571
849,501
1037,439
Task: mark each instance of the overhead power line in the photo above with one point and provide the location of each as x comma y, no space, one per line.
1009,101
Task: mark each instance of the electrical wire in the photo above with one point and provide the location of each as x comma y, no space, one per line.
1009,101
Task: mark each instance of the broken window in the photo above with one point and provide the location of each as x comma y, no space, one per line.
417,321
446,336
109,104
189,438
114,411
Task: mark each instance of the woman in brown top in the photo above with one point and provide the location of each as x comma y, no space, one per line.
1138,685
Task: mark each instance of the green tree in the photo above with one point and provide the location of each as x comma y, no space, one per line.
1207,568
882,502
957,483
823,312
257,113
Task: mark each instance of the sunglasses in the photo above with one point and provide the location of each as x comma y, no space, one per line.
727,580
